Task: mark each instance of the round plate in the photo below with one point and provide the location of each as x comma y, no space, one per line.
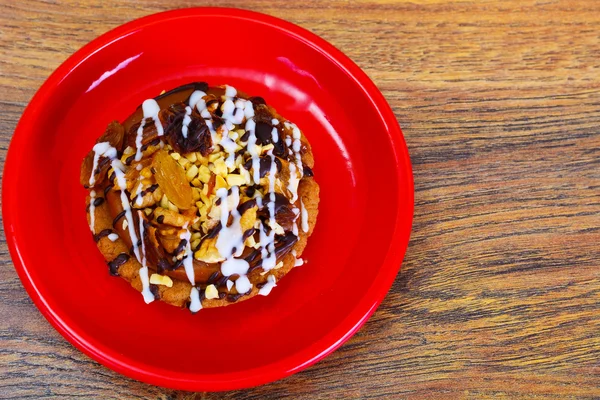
362,166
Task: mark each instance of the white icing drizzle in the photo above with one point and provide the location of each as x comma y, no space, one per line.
188,257
92,210
266,289
304,217
196,100
230,91
248,110
139,200
267,241
121,182
242,284
230,237
144,276
186,121
230,241
150,109
113,237
298,261
274,135
274,121
293,182
296,170
253,150
106,150
103,149
195,303
229,284
233,266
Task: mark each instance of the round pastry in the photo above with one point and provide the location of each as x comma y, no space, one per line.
203,197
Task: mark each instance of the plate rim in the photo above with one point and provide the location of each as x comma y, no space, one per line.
295,362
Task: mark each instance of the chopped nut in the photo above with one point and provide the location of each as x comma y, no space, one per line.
211,292
248,219
157,194
164,202
267,147
247,178
183,161
129,151
172,207
204,173
235,180
279,265
215,156
192,157
176,156
203,210
196,225
157,279
219,167
208,252
170,217
196,182
220,183
146,173
196,194
191,173
205,199
195,243
195,235
250,242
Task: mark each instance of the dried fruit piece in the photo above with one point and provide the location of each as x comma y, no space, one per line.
197,137
170,177
114,135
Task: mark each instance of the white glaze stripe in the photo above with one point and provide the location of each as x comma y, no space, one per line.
144,277
92,210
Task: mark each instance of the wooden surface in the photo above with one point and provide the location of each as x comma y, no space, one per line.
499,295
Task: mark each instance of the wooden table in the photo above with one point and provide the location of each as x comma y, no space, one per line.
499,295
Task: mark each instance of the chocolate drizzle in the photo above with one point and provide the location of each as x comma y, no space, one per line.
307,171
162,265
232,298
282,247
114,265
265,165
101,234
213,277
154,290
118,217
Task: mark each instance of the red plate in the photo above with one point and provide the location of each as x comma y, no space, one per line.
365,214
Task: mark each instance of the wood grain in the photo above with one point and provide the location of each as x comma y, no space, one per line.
499,295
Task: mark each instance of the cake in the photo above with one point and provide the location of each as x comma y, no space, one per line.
203,197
